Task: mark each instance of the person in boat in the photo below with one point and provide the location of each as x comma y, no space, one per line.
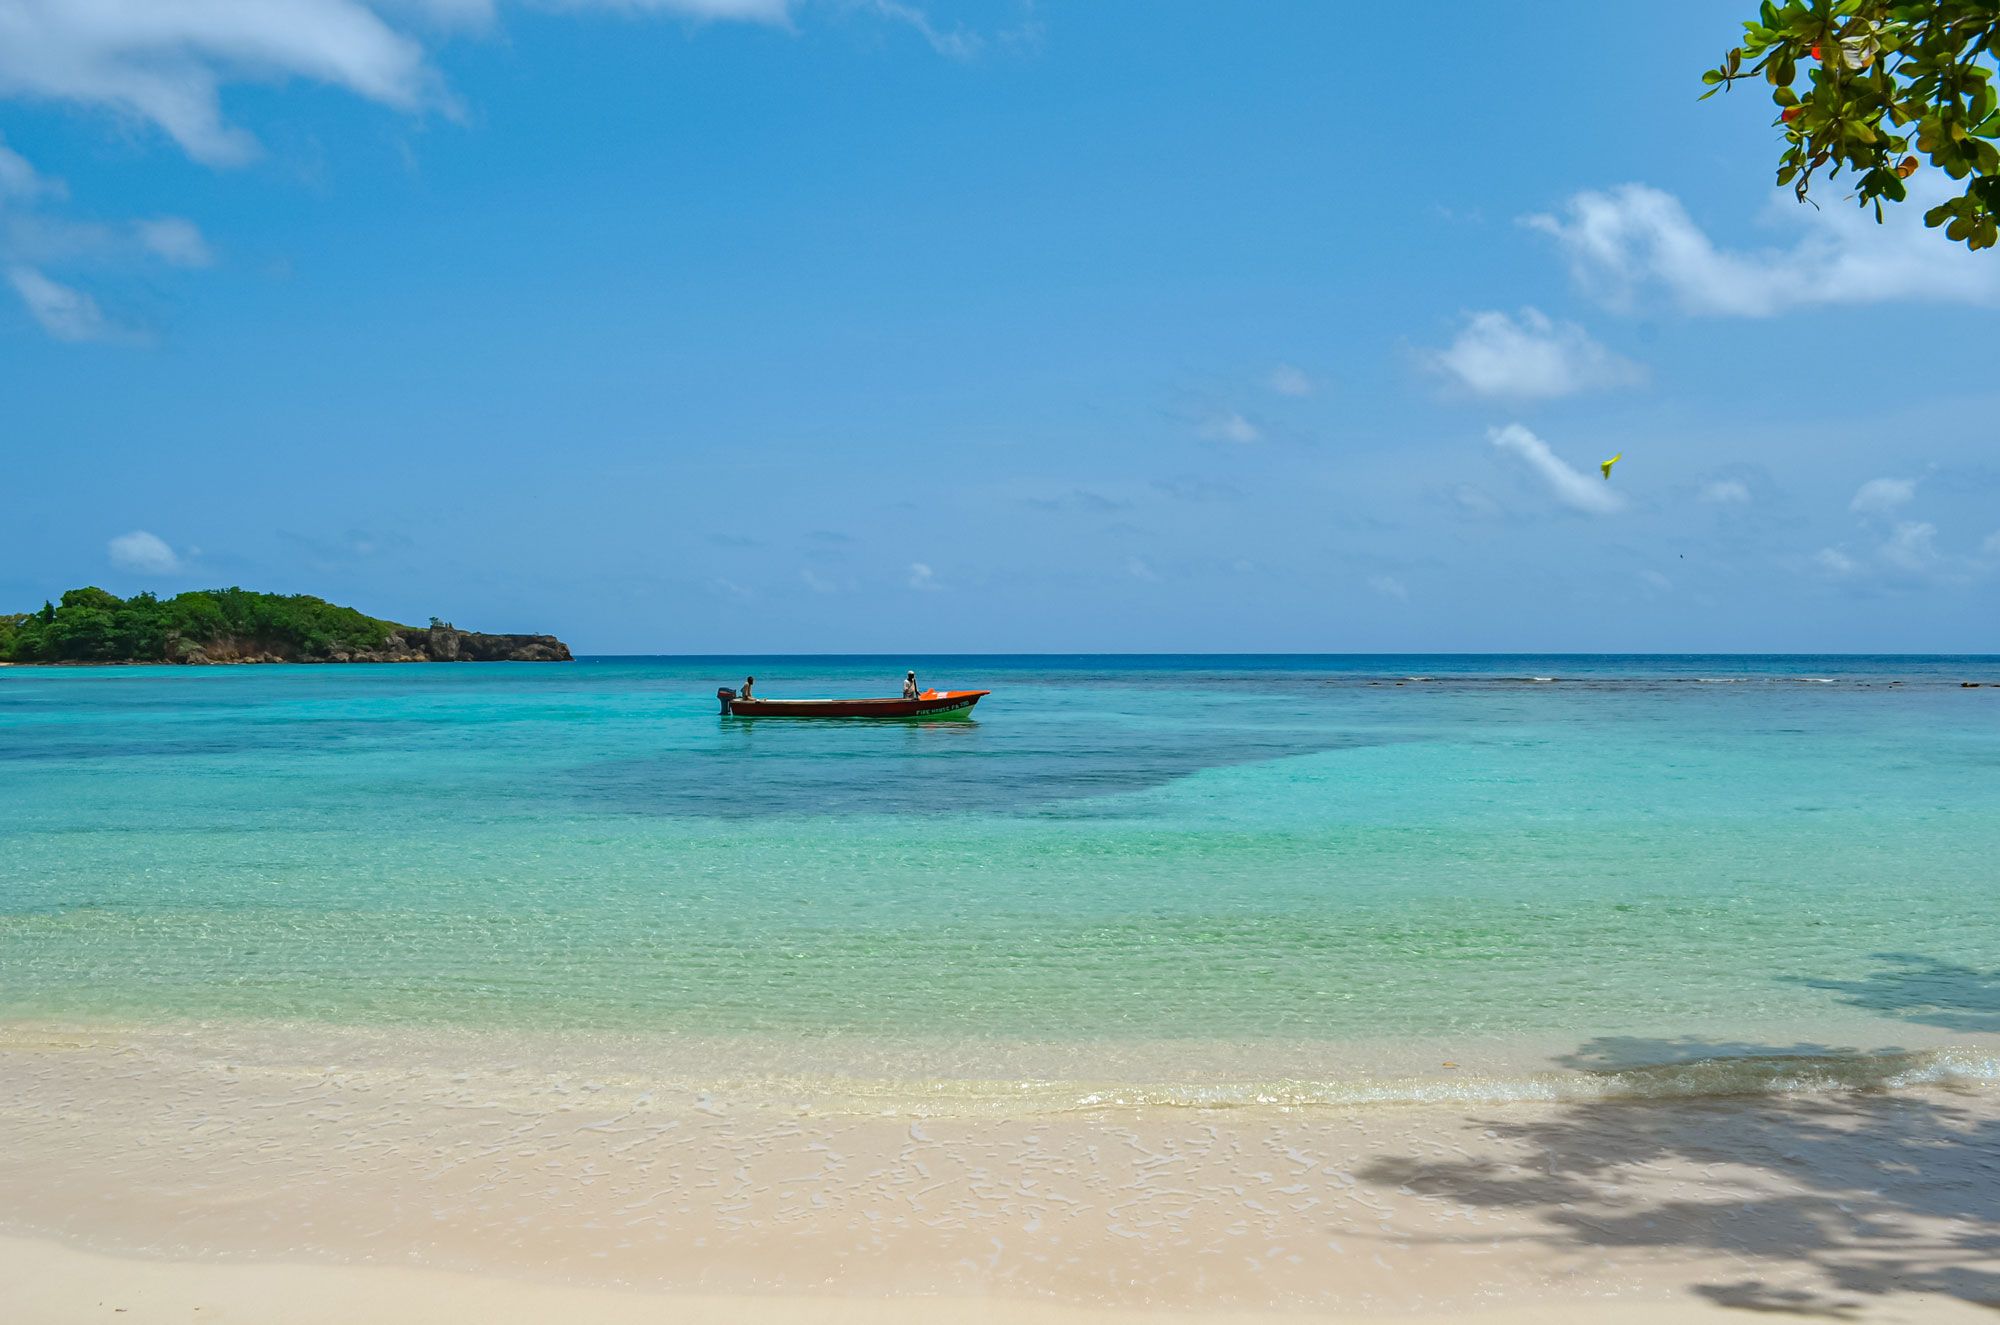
748,681
909,685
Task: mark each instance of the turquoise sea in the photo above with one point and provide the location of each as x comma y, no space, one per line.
1618,860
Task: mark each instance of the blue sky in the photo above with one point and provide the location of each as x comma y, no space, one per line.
838,325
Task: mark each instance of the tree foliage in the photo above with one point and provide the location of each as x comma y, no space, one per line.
1881,78
91,625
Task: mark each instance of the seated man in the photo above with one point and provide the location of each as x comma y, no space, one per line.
909,685
748,681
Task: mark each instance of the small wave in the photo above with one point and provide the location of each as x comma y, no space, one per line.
1710,1078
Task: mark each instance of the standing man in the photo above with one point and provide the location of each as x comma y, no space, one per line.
910,685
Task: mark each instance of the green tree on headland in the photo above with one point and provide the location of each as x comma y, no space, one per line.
91,625
1882,77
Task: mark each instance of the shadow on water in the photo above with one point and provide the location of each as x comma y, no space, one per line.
839,769
1835,1199
1926,991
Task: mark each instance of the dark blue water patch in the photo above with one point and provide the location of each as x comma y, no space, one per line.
81,743
839,770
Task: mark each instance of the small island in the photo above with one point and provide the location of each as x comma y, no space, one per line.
91,625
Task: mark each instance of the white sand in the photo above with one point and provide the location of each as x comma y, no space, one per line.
306,1175
43,1283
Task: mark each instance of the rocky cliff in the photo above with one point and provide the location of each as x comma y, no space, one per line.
438,643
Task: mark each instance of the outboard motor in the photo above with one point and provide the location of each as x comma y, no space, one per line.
725,694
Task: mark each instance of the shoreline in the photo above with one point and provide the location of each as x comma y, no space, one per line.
296,1168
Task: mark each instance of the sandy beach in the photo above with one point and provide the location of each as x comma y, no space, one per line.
317,1175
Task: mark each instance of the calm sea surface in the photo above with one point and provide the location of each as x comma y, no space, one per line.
1636,858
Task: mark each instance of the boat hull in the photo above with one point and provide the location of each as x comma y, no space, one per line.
950,704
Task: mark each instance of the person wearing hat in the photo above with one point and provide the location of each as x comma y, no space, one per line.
910,685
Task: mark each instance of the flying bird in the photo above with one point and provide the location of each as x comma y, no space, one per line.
1606,466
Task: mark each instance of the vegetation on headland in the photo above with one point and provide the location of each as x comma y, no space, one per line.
1883,77
237,625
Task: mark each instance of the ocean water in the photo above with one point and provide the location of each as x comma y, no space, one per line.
1150,873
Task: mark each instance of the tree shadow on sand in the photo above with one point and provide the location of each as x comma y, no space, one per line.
1829,1200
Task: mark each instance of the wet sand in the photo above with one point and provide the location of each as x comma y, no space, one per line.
338,1174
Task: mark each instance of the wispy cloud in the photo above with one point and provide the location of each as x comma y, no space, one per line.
20,179
1726,492
145,553
1627,241
1888,554
1389,587
1078,499
1287,380
63,311
1568,485
922,576
167,64
956,42
1879,496
1230,426
1195,488
1908,553
1530,357
176,240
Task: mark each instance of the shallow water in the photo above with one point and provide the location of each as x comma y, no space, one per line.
1163,873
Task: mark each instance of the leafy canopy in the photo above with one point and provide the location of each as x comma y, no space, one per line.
1879,76
91,625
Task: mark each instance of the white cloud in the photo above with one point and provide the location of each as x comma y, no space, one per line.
1912,547
1879,496
1634,238
1474,500
1991,547
1726,492
1658,581
168,63
922,576
175,239
1137,568
1389,587
143,552
19,179
1568,485
1231,427
65,313
1287,380
1907,556
1532,357
164,61
957,43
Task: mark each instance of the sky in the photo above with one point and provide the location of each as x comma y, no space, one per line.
747,326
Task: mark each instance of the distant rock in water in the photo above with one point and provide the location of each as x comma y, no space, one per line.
238,626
